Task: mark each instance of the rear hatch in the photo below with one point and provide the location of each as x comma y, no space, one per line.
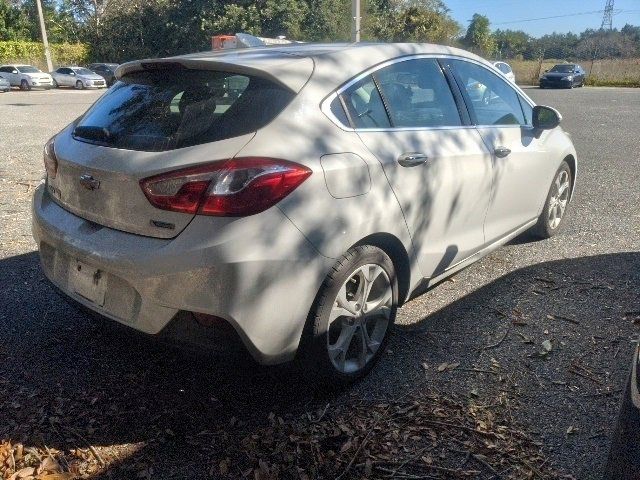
153,121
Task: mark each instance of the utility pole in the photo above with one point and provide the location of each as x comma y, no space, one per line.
355,24
47,52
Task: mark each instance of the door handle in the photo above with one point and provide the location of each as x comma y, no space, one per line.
501,152
412,159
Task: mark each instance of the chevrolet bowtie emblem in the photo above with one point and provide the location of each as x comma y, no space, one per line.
88,182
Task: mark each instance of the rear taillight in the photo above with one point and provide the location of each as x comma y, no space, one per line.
230,188
50,160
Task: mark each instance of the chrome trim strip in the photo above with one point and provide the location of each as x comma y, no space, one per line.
326,109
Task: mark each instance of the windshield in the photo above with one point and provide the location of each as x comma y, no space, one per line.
83,71
563,69
168,109
27,69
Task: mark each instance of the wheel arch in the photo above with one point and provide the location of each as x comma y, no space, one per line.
396,251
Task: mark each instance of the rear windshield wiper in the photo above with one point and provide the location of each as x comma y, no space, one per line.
93,133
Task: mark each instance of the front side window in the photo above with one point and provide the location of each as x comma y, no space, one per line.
491,100
364,105
417,94
167,109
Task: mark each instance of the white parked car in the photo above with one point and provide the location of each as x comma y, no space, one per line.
26,76
77,77
302,209
506,70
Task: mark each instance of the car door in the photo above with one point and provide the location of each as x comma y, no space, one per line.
520,165
62,77
437,164
70,77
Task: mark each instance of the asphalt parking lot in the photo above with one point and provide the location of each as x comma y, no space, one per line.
580,290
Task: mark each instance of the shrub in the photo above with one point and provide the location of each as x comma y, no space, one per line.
33,53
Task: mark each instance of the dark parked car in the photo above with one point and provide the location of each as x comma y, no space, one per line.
105,70
5,86
624,457
565,75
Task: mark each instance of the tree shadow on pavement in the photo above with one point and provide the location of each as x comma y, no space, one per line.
67,381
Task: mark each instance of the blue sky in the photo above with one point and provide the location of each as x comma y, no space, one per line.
514,11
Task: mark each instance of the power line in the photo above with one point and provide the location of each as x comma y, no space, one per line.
548,18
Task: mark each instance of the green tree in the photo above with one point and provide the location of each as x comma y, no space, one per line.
479,37
424,21
14,23
511,43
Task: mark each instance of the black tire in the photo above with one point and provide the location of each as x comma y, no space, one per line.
24,85
55,84
314,349
79,85
544,228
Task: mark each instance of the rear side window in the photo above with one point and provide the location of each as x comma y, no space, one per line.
365,106
167,109
417,94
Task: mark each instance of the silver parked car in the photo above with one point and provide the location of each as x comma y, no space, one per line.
26,76
302,209
77,77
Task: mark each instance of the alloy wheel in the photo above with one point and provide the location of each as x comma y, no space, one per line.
559,199
359,319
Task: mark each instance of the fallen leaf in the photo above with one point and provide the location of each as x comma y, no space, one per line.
23,473
442,367
49,465
547,346
346,446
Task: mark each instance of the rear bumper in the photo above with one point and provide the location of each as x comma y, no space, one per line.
263,287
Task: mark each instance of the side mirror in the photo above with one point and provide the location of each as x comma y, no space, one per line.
546,118
546,71
14,71
73,73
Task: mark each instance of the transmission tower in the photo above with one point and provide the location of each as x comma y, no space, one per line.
607,18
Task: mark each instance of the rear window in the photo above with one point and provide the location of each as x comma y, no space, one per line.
167,109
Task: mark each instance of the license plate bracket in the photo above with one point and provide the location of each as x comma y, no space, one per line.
88,282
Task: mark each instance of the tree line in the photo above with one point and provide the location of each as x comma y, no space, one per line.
119,30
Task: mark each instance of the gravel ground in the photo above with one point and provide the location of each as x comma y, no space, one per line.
476,340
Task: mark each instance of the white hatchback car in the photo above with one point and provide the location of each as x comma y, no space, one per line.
506,70
26,76
296,194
